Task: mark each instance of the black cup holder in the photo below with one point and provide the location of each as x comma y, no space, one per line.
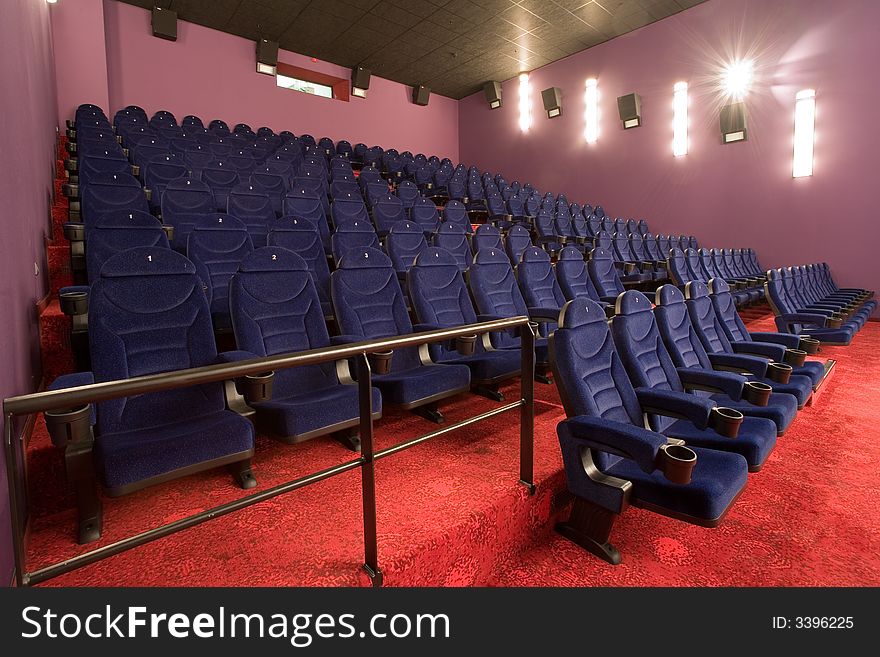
74,303
757,393
465,344
677,462
74,232
779,372
795,357
169,231
725,421
257,387
69,425
834,322
380,362
629,268
810,345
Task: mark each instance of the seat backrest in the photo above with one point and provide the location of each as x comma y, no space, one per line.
353,235
495,290
437,289
408,192
405,241
652,250
149,314
677,330
537,280
276,310
117,231
254,208
109,192
348,208
424,214
387,211
186,196
221,178
573,276
454,240
517,240
677,266
217,249
642,227
695,266
455,212
706,323
486,236
640,345
303,238
369,303
725,310
603,273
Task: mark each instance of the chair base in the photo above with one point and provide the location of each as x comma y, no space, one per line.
348,438
430,412
589,526
542,374
243,475
489,391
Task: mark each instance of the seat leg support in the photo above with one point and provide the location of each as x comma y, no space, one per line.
79,463
349,438
542,374
590,526
489,391
430,412
243,475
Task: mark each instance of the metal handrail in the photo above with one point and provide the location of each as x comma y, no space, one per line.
78,396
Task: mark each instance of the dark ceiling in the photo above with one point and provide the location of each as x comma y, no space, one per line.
450,46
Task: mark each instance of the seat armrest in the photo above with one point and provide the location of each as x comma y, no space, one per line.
763,349
73,380
670,403
544,314
812,319
489,318
422,328
337,340
235,356
71,425
626,440
789,340
743,363
725,382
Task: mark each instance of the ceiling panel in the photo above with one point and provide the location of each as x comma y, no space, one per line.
452,46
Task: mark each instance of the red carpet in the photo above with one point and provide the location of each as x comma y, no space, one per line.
452,513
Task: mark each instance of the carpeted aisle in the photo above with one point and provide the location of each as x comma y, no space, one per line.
809,518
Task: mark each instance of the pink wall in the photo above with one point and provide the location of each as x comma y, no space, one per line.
27,138
727,195
212,74
81,67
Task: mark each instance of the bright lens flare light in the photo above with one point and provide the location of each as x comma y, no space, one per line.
591,113
738,77
680,119
804,128
525,103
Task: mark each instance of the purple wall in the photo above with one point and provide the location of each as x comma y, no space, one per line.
728,195
212,74
81,67
27,138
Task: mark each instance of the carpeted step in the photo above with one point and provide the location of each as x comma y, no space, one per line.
58,262
57,357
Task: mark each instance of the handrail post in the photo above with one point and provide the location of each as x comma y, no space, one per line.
527,410
15,509
368,470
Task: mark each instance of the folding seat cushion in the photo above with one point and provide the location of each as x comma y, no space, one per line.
305,203
354,235
539,287
303,238
369,303
149,315
404,242
388,211
275,310
440,299
773,344
455,212
604,275
517,240
574,277
109,192
217,250
496,294
424,214
486,236
253,207
610,459
452,239
679,341
221,178
749,358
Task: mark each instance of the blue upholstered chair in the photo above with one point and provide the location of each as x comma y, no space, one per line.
303,238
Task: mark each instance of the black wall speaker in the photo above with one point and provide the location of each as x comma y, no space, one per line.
360,77
552,98
492,90
629,108
267,53
164,23
733,123
421,94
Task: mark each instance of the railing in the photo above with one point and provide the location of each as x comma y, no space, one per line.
74,397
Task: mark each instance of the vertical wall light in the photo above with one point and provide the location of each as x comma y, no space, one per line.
804,128
525,102
680,119
591,111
